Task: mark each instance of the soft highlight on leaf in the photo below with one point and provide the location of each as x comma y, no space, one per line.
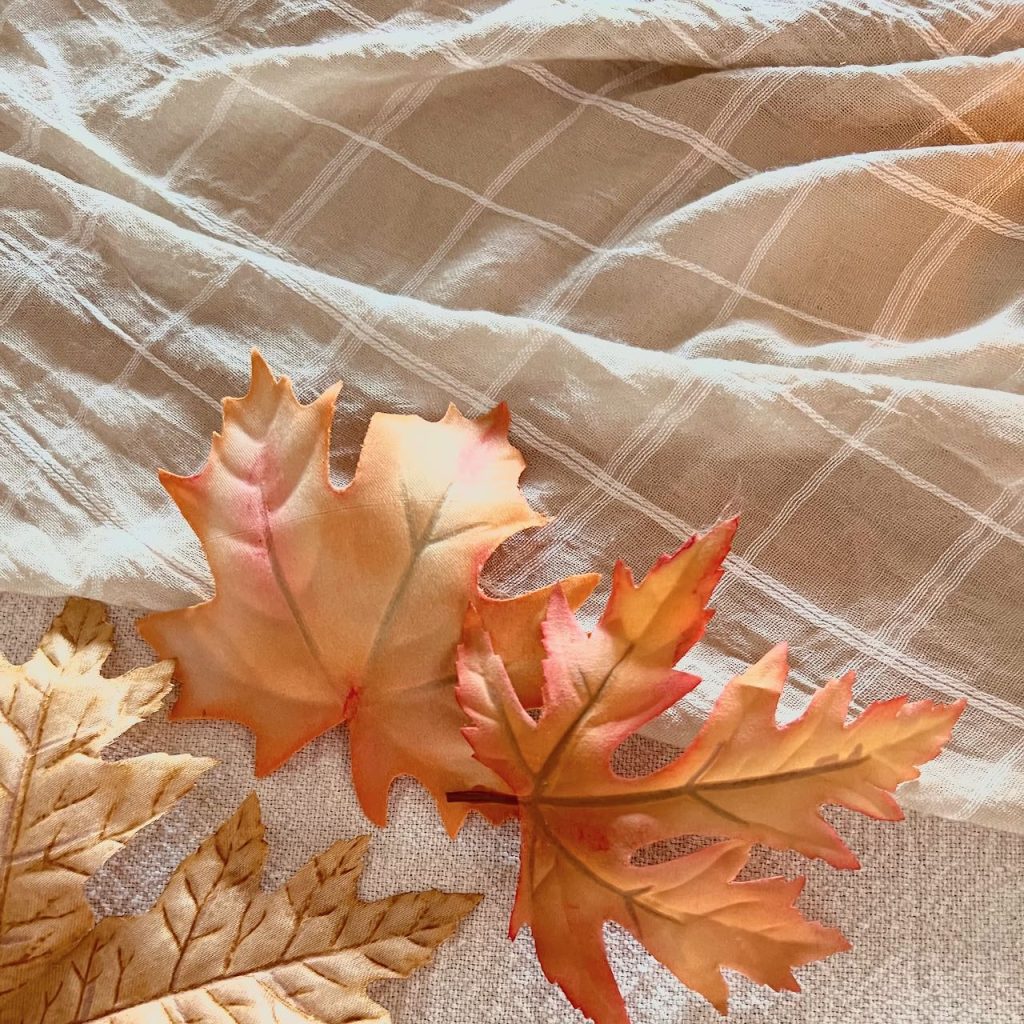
743,777
345,604
217,949
64,811
746,776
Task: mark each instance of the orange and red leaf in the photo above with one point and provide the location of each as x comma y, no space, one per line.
345,604
744,778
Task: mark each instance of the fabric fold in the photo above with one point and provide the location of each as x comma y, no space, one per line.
715,259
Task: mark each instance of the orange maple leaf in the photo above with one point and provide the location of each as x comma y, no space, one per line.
345,605
743,777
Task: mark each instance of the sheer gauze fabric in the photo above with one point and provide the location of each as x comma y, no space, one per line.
762,258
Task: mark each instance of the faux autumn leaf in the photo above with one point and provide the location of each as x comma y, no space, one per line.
346,605
63,810
743,777
216,949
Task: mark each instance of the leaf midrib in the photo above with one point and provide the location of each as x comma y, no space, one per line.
245,974
631,898
417,546
543,774
695,788
21,798
277,570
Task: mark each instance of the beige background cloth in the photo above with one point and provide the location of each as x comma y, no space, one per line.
935,914
718,257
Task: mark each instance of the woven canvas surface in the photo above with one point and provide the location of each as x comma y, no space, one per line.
934,915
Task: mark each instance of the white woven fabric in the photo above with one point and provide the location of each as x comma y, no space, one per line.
762,257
